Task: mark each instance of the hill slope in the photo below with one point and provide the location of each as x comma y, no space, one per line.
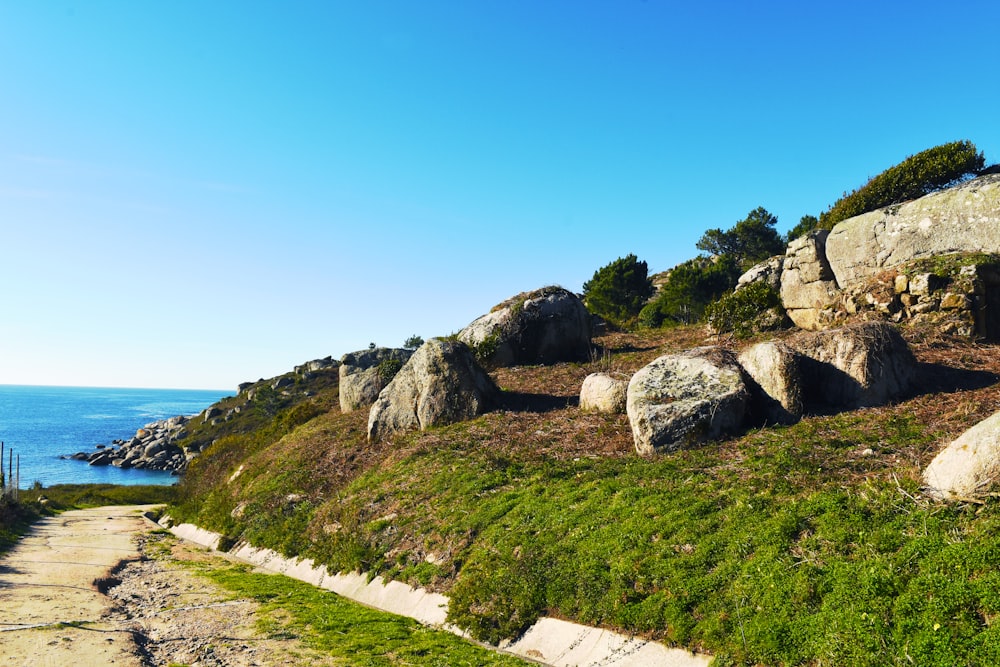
807,544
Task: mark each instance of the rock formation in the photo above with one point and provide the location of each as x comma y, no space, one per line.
363,374
440,384
860,365
969,466
965,218
152,448
768,272
952,236
540,327
776,390
601,392
680,400
808,287
315,366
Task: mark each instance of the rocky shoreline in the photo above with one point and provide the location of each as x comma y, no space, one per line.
153,447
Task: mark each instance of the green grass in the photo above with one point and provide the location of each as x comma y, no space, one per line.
342,629
807,544
76,496
15,520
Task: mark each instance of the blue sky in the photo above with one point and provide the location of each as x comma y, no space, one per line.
197,194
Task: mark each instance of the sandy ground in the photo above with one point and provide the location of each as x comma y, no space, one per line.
52,610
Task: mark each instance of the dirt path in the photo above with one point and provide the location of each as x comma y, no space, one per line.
50,611
156,612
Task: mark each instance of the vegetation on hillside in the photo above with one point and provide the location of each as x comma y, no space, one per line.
618,291
798,545
702,287
695,284
914,177
691,286
808,544
15,519
748,242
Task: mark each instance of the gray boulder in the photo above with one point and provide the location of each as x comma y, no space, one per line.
541,327
860,365
967,467
777,382
440,384
363,374
768,272
680,400
965,218
317,365
601,392
808,287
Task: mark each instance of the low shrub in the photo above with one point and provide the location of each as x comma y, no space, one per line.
746,311
914,177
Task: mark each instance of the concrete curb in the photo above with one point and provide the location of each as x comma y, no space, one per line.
550,641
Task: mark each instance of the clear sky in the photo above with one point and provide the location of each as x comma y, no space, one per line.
196,194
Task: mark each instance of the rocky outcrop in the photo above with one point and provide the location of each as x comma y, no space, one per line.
152,448
541,327
601,392
808,288
832,277
969,466
964,218
363,374
316,365
681,400
440,384
776,389
767,272
860,365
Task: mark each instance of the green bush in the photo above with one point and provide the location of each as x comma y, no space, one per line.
750,241
618,291
914,177
807,223
756,307
387,369
688,291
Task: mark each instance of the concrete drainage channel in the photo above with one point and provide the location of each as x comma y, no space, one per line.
549,641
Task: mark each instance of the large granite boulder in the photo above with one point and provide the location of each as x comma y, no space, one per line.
363,374
860,365
967,467
965,218
540,327
681,400
808,287
440,384
776,389
601,392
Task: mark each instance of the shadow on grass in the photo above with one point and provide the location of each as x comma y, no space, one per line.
938,378
517,401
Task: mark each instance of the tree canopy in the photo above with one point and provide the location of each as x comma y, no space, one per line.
807,223
689,289
619,290
750,241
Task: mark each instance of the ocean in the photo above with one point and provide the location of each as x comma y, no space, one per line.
43,424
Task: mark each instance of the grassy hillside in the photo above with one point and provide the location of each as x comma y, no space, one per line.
808,544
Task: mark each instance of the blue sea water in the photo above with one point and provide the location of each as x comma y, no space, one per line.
43,424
